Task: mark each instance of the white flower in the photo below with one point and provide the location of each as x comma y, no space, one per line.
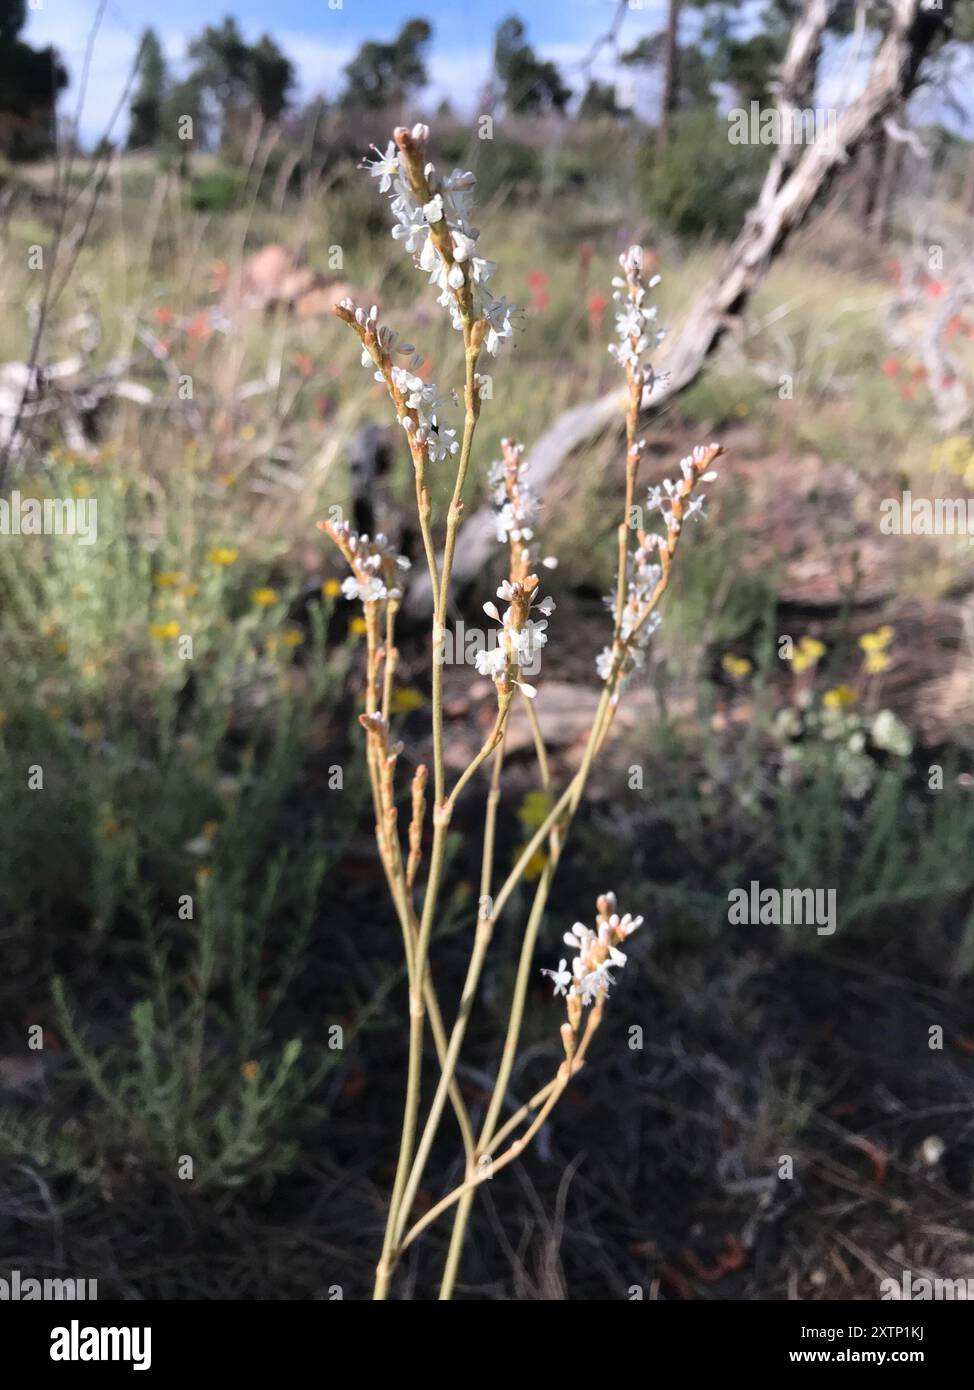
562,977
386,167
581,938
450,200
635,319
497,314
529,641
376,566
491,661
597,955
409,229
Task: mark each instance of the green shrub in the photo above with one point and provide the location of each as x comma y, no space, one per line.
216,192
701,183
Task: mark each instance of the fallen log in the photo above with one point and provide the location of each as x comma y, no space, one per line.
790,188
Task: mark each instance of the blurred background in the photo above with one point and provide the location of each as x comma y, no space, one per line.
198,957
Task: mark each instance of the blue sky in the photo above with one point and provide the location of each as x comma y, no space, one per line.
320,39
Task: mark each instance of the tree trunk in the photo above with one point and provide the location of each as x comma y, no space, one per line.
967,192
793,183
671,76
871,164
882,212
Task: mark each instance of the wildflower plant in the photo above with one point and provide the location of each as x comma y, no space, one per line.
432,220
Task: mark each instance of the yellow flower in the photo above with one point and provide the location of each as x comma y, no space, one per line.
162,631
358,627
406,699
740,410
839,697
535,866
191,589
223,555
534,809
876,662
808,653
81,489
248,433
263,597
250,1071
331,588
167,579
956,455
292,637
736,666
877,641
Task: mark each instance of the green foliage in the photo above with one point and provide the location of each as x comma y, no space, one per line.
700,183
218,191
30,80
599,101
530,86
272,77
145,114
159,861
387,74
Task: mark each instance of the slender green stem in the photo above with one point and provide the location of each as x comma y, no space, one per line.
441,815
486,1171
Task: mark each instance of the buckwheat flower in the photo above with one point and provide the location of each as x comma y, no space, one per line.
580,937
562,977
603,663
375,565
385,167
432,220
635,319
417,401
529,641
497,314
411,229
597,956
369,590
491,661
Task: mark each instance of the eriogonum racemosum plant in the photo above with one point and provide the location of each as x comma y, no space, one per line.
432,221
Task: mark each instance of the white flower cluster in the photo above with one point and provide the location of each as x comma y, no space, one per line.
634,320
597,954
522,636
672,499
418,395
517,508
450,202
423,397
376,564
675,501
